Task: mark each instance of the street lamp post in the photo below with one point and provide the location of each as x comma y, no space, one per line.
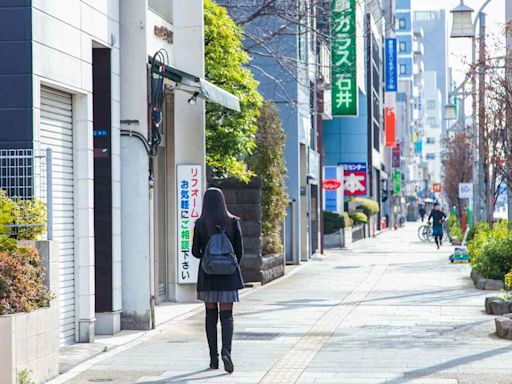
462,27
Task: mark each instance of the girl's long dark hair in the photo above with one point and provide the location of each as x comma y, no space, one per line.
215,212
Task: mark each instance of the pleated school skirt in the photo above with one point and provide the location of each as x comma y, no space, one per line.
218,296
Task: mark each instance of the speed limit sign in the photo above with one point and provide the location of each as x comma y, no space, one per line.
465,191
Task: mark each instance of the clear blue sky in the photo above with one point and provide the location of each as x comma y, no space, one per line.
460,49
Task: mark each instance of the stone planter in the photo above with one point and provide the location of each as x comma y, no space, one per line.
488,301
486,284
504,326
334,240
30,341
263,269
497,306
456,241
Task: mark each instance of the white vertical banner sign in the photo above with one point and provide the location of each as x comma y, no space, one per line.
189,198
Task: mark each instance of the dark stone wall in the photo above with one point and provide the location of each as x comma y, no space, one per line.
244,201
16,74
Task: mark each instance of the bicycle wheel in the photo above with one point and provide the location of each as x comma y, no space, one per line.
429,234
419,234
421,231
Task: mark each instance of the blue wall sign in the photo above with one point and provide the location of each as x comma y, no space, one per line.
391,65
354,167
331,197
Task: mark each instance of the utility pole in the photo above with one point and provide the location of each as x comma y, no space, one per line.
508,76
484,192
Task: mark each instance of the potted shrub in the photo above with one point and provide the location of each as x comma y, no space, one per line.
333,224
491,256
359,217
454,230
504,323
501,305
28,317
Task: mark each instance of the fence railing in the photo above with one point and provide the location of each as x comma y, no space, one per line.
26,174
358,232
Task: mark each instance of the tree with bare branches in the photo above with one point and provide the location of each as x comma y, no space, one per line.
457,161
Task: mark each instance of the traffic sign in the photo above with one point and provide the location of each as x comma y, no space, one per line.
465,191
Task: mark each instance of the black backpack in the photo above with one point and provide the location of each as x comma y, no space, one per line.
219,256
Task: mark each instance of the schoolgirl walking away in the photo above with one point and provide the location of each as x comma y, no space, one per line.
218,244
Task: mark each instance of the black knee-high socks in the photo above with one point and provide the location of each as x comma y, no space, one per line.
226,320
212,316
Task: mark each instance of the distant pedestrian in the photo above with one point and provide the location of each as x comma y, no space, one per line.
422,212
221,258
438,217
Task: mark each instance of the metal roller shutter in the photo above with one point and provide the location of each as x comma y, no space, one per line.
56,132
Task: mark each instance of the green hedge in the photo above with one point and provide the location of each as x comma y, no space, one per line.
27,216
268,162
333,222
359,217
368,206
491,250
22,279
454,227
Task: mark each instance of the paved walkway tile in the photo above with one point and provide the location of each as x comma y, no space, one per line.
387,310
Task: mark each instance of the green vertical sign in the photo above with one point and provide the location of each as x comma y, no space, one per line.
344,63
397,182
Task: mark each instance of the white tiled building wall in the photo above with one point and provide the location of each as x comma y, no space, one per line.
64,34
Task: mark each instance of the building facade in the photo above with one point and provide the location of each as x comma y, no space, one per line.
79,73
434,25
357,141
288,75
433,134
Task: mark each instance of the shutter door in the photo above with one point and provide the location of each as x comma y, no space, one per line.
56,132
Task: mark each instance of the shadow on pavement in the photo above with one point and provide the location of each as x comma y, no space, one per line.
424,372
184,378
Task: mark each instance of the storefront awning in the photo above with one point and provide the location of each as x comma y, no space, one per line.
197,85
219,96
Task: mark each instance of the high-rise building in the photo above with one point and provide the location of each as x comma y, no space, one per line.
435,43
433,123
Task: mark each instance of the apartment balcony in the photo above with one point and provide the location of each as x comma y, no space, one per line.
418,49
419,33
418,80
418,68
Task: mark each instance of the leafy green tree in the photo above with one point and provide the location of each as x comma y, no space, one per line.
230,135
268,163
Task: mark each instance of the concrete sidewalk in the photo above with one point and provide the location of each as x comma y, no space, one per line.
389,309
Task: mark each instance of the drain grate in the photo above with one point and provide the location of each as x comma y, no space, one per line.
101,380
256,335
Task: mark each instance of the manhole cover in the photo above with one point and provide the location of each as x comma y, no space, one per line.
256,335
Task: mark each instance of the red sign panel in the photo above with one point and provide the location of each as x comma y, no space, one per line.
390,124
396,156
355,179
331,184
